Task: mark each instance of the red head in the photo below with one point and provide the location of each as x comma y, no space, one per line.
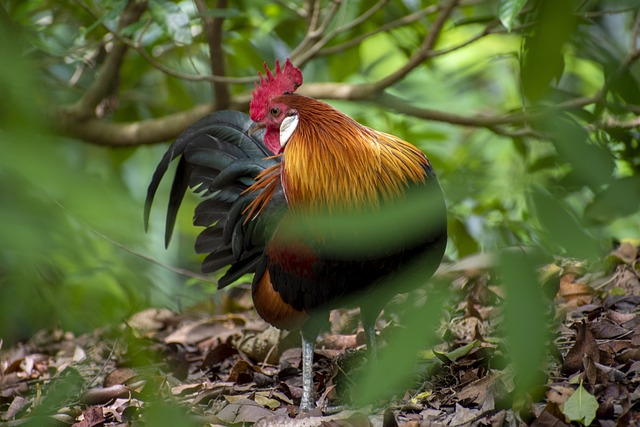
285,81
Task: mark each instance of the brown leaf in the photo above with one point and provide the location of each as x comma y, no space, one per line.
91,417
484,392
605,330
575,291
339,341
243,411
241,372
634,368
605,409
264,345
17,405
617,346
218,354
388,419
631,354
119,376
547,419
151,319
219,327
559,394
620,318
626,253
590,370
98,395
585,345
356,420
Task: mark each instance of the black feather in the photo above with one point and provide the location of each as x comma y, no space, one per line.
219,159
210,240
216,260
239,269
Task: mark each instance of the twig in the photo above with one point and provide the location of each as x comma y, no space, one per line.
487,30
106,83
309,52
405,20
137,46
178,270
104,365
305,49
423,52
301,12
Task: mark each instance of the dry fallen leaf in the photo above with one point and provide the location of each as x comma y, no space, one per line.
585,345
91,417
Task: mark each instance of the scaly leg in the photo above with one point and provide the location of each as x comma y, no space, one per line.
307,403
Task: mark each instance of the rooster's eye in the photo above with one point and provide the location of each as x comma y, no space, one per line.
274,111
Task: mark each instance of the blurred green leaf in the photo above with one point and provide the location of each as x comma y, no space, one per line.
525,323
561,227
593,164
396,364
161,414
542,59
465,243
508,11
619,199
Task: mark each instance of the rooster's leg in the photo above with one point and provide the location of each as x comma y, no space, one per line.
307,403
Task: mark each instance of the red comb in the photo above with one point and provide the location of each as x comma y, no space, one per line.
285,80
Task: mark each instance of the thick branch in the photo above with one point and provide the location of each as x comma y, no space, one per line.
213,32
163,129
101,132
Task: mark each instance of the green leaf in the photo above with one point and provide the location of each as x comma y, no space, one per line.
459,352
173,20
525,316
561,226
542,58
395,365
581,406
508,11
592,163
618,200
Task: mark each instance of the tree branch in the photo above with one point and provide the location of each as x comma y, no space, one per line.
213,31
319,41
106,83
169,127
425,49
305,49
405,20
144,132
161,67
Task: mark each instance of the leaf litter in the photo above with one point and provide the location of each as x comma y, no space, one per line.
234,369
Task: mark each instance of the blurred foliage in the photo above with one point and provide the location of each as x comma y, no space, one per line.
559,173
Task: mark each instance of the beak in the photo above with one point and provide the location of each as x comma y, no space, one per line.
255,128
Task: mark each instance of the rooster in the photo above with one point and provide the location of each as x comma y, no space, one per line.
322,210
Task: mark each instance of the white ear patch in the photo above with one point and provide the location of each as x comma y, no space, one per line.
288,125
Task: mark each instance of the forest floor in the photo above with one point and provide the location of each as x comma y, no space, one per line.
162,368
